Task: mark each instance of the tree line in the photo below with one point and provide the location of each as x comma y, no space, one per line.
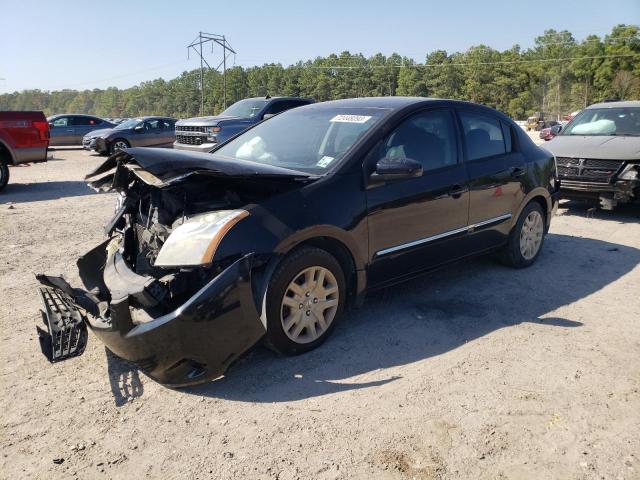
556,75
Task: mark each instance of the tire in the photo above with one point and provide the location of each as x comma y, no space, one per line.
116,145
312,313
4,174
524,246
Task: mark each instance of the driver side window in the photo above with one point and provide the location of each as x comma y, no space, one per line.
427,137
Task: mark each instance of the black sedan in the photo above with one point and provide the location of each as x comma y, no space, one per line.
280,229
135,132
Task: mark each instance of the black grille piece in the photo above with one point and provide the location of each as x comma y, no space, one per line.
590,169
190,139
191,129
66,334
565,161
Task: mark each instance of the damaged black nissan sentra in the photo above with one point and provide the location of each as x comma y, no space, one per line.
276,231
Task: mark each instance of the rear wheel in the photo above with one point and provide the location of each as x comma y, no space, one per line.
526,238
304,300
4,174
119,144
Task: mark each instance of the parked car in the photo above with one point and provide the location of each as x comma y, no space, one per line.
598,154
277,231
548,133
136,132
24,137
201,134
70,129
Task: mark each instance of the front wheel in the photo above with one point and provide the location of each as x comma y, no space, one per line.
305,298
119,144
4,174
526,238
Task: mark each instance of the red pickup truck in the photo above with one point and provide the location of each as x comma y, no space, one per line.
24,137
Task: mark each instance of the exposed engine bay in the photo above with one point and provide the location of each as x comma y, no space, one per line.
151,206
158,283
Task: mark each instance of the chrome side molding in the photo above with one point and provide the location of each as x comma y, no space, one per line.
468,228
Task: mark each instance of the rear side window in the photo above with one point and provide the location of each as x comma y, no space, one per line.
84,121
278,107
483,136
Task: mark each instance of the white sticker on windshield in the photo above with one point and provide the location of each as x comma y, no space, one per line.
350,118
324,161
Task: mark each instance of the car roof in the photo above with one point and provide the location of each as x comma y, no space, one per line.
397,103
277,98
74,115
623,104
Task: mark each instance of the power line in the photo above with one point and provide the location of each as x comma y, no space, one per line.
457,64
117,77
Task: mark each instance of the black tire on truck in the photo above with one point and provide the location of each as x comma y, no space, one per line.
4,174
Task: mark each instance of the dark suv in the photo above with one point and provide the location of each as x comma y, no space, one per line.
201,134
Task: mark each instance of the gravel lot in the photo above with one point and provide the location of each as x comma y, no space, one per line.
477,371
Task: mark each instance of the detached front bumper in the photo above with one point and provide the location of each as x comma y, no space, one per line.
193,343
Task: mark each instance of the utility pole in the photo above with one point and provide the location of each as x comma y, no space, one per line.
196,45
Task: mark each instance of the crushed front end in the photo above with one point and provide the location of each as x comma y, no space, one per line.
179,324
608,182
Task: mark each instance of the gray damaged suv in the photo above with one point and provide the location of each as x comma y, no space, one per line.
201,134
598,154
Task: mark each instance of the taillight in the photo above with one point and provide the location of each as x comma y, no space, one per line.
43,129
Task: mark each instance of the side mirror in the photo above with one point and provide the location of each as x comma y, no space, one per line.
268,115
138,128
556,129
396,169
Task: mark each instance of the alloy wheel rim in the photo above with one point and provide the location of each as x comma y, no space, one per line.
309,304
531,235
119,146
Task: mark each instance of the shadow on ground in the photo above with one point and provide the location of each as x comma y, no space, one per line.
624,213
124,379
428,317
37,192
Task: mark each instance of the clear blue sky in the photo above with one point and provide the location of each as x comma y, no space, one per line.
59,44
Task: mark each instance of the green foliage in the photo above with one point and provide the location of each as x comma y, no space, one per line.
557,75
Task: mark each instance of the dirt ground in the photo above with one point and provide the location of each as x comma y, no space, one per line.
474,372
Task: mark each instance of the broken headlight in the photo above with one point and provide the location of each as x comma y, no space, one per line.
196,240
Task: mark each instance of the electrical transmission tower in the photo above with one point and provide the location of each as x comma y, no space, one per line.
196,45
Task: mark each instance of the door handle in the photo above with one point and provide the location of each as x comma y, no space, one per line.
457,191
516,172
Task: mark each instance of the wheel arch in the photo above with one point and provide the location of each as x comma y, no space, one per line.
543,198
331,239
8,155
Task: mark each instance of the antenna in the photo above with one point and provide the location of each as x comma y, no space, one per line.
196,45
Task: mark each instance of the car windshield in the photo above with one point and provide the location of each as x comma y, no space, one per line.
310,140
606,121
131,123
244,108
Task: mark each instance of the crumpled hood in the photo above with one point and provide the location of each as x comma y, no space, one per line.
208,121
161,167
595,146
